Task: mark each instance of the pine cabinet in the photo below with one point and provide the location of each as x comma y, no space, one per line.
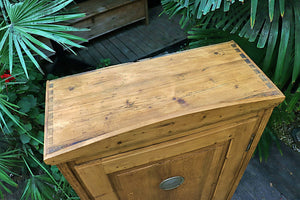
182,126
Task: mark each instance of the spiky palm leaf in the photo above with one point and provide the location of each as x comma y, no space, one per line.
29,18
8,160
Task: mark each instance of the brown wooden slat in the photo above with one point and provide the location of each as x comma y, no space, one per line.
113,49
131,42
105,52
95,54
124,49
86,57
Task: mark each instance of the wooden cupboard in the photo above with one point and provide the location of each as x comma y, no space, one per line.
182,126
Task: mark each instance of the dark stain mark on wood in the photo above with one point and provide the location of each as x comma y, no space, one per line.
129,104
167,124
204,117
181,101
106,118
233,45
150,107
71,88
204,69
180,76
174,98
236,86
212,80
120,142
237,50
51,85
219,52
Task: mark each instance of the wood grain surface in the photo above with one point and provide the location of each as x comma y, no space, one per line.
111,106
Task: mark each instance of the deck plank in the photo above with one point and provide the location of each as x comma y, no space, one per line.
125,50
131,42
105,52
137,41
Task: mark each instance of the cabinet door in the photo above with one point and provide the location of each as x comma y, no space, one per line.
209,161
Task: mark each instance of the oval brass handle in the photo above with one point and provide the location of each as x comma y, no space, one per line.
171,183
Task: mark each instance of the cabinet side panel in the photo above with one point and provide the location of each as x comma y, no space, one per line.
96,181
65,169
260,128
234,158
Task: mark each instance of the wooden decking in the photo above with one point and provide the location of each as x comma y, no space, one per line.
134,42
276,179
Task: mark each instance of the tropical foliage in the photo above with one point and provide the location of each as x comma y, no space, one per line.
269,32
22,23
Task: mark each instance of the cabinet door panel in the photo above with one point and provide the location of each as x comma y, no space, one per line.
209,163
195,167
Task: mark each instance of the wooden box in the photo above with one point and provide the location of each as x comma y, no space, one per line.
182,126
103,16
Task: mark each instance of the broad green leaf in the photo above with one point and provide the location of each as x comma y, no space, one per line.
28,53
257,27
285,35
10,43
271,9
226,5
253,12
282,7
264,35
40,118
4,38
271,41
296,69
26,103
20,54
25,138
51,19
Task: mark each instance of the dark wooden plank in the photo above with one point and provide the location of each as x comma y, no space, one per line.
131,42
95,54
282,171
255,185
114,50
142,40
123,48
86,57
105,52
149,36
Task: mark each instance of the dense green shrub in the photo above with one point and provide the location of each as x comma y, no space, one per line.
22,96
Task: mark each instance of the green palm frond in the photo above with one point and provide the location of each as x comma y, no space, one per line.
25,20
8,160
5,111
38,187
